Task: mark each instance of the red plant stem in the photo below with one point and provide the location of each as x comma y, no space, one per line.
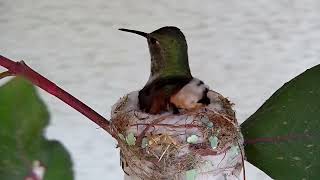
21,69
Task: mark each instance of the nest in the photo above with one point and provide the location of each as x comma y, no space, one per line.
202,141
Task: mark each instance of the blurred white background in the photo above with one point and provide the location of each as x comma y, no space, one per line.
243,49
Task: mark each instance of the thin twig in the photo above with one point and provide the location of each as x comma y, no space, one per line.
21,69
5,74
169,125
242,160
164,153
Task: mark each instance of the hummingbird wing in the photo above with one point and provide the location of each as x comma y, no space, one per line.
155,97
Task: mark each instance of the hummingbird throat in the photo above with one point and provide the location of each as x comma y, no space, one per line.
166,62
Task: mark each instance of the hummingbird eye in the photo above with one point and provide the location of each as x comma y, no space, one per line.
153,40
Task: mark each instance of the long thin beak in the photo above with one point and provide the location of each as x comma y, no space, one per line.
135,32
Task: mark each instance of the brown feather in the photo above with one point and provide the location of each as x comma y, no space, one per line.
155,97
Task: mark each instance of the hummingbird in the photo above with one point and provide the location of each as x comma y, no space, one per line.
168,87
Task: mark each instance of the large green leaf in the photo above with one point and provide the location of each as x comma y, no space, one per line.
283,136
23,117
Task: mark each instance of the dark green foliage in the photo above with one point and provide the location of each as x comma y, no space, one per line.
23,117
283,136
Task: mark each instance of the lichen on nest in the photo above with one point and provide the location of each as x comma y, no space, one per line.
205,140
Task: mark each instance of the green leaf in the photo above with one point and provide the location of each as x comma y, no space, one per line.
283,137
23,117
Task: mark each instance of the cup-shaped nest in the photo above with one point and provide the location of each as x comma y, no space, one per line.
204,142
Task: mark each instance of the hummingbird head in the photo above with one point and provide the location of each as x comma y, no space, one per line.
168,50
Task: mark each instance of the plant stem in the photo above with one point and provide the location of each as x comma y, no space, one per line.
21,69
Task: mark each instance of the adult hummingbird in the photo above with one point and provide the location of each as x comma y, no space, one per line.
170,73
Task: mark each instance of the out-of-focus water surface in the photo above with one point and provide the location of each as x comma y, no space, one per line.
242,49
